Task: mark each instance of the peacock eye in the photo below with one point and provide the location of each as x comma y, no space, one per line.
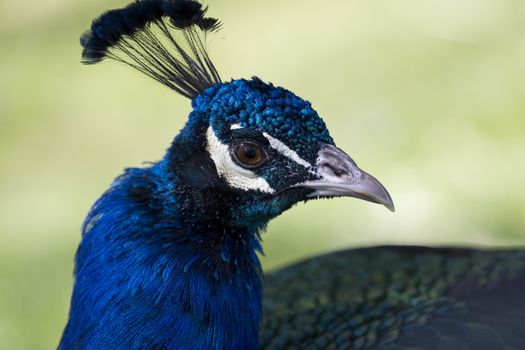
248,154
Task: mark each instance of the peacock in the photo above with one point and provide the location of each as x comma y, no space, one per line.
169,255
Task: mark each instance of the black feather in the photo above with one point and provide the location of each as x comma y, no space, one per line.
161,38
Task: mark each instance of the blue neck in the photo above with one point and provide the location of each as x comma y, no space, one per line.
149,276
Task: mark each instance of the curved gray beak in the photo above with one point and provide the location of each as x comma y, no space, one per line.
339,175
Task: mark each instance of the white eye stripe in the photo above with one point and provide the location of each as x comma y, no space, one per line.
235,126
286,151
232,173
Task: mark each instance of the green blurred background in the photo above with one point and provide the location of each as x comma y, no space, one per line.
427,95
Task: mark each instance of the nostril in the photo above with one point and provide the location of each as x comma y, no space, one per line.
337,171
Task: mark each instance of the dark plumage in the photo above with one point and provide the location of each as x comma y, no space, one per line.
398,298
169,253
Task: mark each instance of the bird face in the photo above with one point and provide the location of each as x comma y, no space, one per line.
270,150
250,150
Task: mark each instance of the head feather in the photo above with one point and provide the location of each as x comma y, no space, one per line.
163,39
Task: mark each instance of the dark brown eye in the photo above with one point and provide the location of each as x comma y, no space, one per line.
248,154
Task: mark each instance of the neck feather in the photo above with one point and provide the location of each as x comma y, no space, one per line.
150,273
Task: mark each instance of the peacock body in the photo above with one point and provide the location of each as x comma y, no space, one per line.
169,254
398,297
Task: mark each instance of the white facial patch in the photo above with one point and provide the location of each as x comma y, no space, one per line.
235,126
286,151
232,173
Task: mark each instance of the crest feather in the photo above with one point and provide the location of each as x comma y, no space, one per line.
164,39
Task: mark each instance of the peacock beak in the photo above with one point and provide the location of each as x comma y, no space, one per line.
339,175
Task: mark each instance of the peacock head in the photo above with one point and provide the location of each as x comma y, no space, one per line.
250,148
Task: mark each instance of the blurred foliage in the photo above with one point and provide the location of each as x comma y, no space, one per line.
428,96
